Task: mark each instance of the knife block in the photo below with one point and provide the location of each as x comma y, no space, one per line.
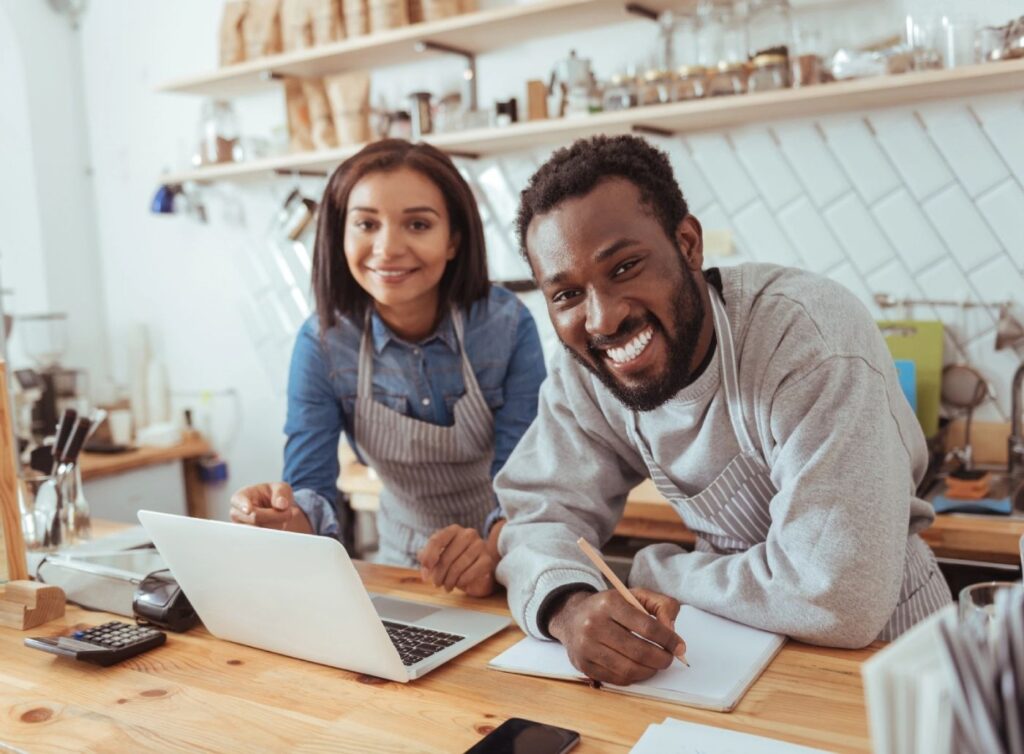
27,604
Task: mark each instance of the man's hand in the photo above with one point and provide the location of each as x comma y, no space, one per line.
457,557
598,633
271,506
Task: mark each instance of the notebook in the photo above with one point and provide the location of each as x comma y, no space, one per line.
725,659
679,737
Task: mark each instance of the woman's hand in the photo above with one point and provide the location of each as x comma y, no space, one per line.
271,506
457,557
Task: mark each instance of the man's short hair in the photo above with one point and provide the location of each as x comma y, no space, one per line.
576,170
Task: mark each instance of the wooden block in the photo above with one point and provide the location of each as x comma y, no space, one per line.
27,604
536,100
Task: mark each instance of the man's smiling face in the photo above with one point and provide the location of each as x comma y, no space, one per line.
623,295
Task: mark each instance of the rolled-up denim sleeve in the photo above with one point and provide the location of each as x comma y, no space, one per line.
313,426
526,372
320,513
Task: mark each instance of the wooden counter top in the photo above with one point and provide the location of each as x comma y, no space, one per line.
990,539
199,693
97,465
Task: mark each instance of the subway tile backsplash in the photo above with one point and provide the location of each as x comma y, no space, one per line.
907,201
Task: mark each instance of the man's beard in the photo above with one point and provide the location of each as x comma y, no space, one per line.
653,393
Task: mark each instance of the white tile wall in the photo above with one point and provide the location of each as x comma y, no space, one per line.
909,230
962,227
864,161
717,160
908,201
858,233
805,150
759,153
1003,207
812,238
763,239
902,137
956,132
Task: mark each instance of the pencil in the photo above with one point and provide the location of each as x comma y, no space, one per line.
597,560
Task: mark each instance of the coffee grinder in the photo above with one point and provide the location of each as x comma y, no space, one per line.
51,387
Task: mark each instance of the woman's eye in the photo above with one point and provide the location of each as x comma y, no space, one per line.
419,225
364,224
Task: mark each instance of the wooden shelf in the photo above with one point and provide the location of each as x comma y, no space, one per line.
484,31
677,118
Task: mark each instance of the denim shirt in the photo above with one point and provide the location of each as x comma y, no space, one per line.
422,380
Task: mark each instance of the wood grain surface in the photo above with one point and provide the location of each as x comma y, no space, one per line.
12,543
197,693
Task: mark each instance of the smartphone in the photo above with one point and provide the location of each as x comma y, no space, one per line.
519,736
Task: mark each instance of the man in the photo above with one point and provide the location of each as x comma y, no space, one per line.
761,400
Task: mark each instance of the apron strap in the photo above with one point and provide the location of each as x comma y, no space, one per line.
730,372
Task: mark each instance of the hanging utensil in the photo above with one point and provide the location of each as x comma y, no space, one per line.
964,388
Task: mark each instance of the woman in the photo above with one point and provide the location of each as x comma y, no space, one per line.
430,371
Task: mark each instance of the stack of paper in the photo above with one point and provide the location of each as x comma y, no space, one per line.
677,737
947,686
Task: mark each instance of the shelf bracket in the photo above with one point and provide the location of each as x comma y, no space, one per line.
302,173
643,11
469,97
273,76
639,128
462,155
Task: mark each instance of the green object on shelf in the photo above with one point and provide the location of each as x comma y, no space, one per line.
920,341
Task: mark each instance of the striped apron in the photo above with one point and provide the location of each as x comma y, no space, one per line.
732,514
433,476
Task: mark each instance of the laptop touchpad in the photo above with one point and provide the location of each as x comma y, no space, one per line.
400,610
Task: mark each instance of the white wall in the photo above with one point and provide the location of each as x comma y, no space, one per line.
51,210
22,269
886,202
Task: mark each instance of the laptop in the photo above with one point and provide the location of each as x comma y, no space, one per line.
300,595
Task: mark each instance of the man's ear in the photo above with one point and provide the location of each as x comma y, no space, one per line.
690,240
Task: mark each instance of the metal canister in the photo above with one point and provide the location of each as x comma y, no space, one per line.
422,121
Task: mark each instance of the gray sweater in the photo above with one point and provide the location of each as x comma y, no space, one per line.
841,563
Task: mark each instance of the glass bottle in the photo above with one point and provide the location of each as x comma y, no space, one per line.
620,93
770,24
722,38
218,133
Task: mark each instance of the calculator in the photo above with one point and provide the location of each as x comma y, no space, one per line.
101,645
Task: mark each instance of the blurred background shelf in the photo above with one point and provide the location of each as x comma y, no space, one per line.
675,118
483,31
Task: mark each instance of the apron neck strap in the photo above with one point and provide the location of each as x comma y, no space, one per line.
730,371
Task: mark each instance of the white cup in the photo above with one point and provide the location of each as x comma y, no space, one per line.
120,421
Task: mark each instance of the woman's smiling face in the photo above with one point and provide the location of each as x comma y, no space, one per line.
398,240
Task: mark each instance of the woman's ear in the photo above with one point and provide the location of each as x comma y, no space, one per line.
453,245
690,240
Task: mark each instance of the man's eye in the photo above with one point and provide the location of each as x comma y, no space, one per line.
625,267
563,296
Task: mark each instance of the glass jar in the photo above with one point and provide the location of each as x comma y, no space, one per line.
770,25
656,87
769,72
723,33
680,37
218,133
620,93
727,78
691,82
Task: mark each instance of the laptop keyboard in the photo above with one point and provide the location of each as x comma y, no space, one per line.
415,643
